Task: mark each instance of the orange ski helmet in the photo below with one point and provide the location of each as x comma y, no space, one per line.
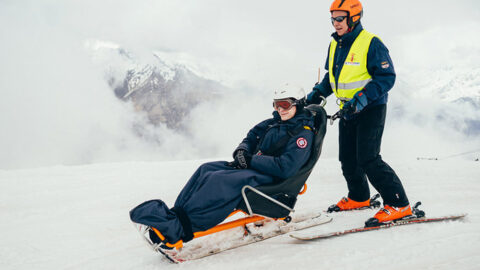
352,7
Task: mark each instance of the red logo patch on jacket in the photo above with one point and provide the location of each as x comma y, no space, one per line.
302,143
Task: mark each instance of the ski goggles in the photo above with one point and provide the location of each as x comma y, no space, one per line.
338,19
285,104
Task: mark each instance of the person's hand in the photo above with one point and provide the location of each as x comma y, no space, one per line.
243,158
233,164
356,104
314,97
311,97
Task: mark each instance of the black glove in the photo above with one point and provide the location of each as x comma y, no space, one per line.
243,158
356,104
348,108
312,97
233,164
315,97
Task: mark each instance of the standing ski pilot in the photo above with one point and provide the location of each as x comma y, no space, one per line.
360,73
273,150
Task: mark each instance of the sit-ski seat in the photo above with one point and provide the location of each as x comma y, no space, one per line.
277,200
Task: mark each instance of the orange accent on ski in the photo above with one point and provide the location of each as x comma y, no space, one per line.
221,227
177,245
159,234
235,212
304,189
229,225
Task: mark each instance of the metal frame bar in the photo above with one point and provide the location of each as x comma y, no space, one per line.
250,212
323,102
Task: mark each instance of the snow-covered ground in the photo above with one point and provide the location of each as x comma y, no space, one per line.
76,217
56,107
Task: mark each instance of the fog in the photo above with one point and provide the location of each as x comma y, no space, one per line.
57,108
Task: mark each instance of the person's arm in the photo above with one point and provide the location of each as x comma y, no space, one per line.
296,154
249,143
380,67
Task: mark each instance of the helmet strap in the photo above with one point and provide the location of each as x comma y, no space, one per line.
350,22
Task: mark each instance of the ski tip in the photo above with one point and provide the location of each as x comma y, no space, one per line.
298,237
455,216
462,215
170,258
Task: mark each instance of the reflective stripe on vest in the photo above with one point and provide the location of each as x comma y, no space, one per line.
354,74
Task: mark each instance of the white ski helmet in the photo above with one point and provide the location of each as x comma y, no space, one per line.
288,90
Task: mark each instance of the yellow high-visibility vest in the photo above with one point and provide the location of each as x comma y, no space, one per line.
354,74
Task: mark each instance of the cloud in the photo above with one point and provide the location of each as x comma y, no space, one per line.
58,109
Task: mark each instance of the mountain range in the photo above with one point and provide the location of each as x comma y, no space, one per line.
167,91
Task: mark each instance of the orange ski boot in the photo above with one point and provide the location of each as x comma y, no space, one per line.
389,214
348,204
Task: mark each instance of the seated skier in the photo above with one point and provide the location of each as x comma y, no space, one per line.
275,149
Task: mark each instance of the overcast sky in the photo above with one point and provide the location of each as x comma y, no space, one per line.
57,109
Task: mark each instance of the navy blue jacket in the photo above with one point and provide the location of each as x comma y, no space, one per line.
214,190
297,150
379,66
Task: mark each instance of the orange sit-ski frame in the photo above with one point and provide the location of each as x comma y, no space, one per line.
223,226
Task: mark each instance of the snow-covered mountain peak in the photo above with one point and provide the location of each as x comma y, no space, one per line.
162,84
447,84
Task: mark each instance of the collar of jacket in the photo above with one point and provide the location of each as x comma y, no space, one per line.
350,37
303,117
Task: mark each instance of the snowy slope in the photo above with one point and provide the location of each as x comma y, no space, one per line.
58,107
76,217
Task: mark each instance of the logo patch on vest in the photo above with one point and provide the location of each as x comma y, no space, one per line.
302,143
352,61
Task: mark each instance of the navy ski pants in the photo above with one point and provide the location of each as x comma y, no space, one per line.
359,154
210,195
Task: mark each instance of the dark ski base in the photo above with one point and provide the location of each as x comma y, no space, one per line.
167,256
382,226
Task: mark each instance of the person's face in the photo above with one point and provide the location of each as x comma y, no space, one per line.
340,27
285,113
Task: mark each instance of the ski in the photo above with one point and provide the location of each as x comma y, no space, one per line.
409,221
252,233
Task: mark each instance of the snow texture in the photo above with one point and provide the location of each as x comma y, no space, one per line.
76,217
72,162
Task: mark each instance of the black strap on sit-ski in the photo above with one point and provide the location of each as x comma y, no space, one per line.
186,224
